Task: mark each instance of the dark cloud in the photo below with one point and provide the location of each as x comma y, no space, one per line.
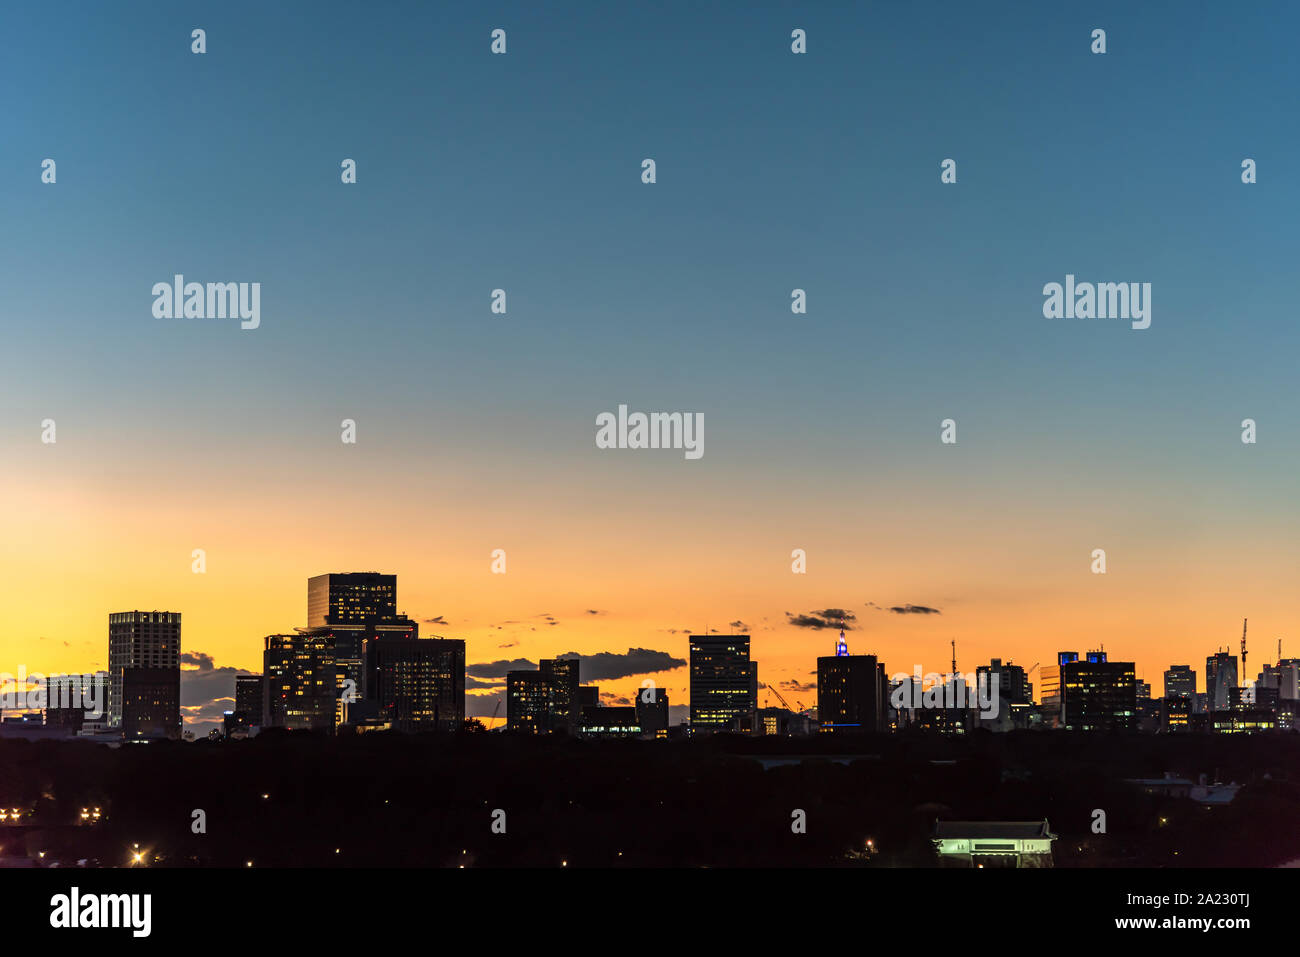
498,668
483,706
435,621
608,665
211,711
476,683
914,610
196,659
207,690
826,618
738,626
796,686
616,700
593,611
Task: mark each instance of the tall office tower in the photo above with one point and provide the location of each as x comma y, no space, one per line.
1050,693
548,699
151,703
350,599
1180,680
140,639
1143,689
1013,684
72,700
852,693
1099,695
565,704
527,702
303,684
1288,679
1220,676
351,609
724,693
418,684
652,715
250,700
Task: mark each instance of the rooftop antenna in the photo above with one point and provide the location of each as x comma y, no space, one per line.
954,656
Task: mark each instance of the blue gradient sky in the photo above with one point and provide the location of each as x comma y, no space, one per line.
775,171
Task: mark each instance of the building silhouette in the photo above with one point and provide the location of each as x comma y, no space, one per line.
652,710
1099,695
151,703
1014,686
416,684
351,598
152,640
547,700
1050,693
724,683
1220,676
852,692
1180,680
303,684
250,701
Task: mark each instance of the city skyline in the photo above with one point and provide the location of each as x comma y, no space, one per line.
477,431
484,694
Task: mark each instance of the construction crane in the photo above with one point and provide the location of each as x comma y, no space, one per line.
1243,649
785,704
954,656
495,712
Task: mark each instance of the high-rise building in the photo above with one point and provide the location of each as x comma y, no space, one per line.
1180,680
852,693
1220,676
1284,676
303,684
1014,686
353,608
140,639
562,679
72,700
151,703
417,684
546,700
1099,695
353,598
724,683
652,710
1050,687
527,702
250,700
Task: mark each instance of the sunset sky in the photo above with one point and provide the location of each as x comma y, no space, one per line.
775,171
